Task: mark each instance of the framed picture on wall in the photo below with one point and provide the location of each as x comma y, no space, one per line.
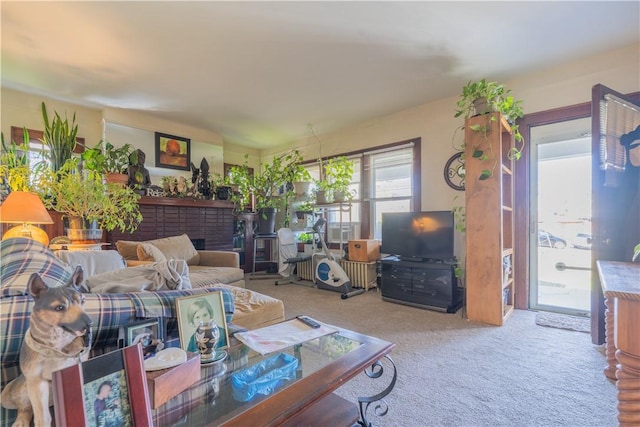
173,152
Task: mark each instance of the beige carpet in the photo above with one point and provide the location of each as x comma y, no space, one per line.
452,372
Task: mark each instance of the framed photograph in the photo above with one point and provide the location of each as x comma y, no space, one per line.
107,390
202,307
149,333
173,152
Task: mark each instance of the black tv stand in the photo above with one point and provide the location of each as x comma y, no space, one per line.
431,285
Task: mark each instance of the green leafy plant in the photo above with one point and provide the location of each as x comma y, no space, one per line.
497,98
339,173
636,252
305,238
266,186
59,137
106,158
85,194
17,174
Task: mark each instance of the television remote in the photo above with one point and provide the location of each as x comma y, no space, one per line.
308,321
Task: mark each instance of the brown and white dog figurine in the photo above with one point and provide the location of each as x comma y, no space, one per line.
59,336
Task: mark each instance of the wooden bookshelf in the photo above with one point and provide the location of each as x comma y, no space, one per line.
490,220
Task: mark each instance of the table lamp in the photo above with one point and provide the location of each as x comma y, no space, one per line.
26,208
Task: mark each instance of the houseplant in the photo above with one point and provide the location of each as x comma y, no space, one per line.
89,201
109,160
60,137
339,173
482,97
271,189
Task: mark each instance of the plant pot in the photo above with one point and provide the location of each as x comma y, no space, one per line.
339,196
117,178
301,188
322,197
81,230
481,106
266,221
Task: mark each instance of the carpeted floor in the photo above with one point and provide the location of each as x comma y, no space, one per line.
563,321
452,372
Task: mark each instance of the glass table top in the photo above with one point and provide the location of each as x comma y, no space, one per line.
211,400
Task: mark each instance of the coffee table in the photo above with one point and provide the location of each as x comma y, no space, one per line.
324,364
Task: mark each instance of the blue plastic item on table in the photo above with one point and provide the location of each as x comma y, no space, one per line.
263,377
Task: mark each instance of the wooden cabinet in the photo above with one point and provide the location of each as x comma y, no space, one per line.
489,213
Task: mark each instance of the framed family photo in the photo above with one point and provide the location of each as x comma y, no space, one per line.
102,391
202,307
148,333
173,152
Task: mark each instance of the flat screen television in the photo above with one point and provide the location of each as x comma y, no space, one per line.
418,236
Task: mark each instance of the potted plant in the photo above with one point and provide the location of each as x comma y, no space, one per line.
302,208
17,174
483,97
305,242
60,137
271,189
109,160
338,173
92,203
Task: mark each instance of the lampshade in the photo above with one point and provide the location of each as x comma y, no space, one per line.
26,208
21,207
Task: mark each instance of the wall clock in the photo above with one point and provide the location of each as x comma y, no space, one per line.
454,172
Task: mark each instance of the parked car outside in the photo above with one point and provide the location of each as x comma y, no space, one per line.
582,241
548,240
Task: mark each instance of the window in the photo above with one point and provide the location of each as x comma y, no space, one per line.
391,184
384,180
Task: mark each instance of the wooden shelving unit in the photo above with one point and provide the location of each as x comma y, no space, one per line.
489,212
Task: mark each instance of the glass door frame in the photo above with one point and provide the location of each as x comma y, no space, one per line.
534,249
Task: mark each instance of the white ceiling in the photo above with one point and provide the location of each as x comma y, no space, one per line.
258,72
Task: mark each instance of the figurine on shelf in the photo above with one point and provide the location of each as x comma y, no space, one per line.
139,178
204,184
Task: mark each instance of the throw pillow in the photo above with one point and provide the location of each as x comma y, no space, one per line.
148,252
128,249
178,247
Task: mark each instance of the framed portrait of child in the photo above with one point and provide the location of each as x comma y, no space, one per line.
198,308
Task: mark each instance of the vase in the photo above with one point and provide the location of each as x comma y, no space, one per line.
207,336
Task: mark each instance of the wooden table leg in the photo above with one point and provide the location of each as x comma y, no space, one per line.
610,344
627,318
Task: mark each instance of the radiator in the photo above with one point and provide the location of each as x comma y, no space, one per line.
362,274
305,270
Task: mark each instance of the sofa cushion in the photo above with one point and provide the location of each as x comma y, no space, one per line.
177,247
21,257
148,252
128,249
202,276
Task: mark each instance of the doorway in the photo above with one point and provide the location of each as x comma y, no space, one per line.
560,203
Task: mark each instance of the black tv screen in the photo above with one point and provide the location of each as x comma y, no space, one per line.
417,236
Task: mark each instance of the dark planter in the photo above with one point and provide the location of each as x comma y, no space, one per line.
266,221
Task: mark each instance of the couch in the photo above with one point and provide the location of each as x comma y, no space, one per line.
197,272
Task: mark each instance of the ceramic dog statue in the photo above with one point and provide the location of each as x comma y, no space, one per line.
59,336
